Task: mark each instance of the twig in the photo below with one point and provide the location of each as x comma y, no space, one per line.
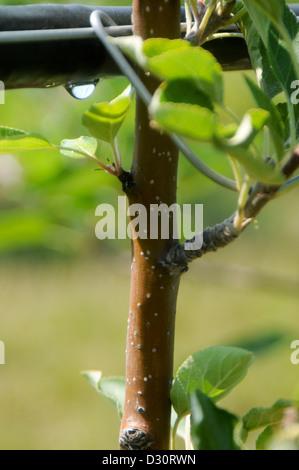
226,232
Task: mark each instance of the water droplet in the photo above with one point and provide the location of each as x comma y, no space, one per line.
81,91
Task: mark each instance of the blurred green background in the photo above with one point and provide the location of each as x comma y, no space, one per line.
64,294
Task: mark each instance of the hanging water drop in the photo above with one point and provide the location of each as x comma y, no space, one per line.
81,91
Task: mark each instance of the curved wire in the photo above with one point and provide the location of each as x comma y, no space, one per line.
289,184
96,21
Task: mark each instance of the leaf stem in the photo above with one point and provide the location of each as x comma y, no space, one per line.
236,17
266,143
231,113
188,16
87,155
206,19
224,35
117,157
175,429
243,196
237,172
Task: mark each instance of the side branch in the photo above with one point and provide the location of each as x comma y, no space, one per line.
226,232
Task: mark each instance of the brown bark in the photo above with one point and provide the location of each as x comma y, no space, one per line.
150,336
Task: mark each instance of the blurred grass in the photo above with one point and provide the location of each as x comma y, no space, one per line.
60,319
64,295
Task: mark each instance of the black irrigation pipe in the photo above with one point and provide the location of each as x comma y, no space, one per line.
52,45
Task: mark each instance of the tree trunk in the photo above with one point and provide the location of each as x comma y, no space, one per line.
154,287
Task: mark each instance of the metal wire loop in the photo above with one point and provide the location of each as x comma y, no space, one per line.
96,21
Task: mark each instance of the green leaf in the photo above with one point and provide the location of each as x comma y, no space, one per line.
263,12
276,56
157,46
284,56
177,60
132,46
113,388
251,124
190,121
104,120
215,371
283,111
237,147
265,438
15,140
212,428
184,91
275,122
83,144
257,169
188,63
260,417
141,51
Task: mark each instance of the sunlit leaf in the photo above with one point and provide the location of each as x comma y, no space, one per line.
176,60
83,144
215,371
187,120
188,63
238,147
113,388
184,91
104,120
261,417
15,140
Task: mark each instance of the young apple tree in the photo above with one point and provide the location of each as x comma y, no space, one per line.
180,98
